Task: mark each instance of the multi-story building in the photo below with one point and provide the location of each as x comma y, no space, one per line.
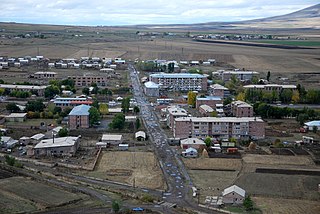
218,91
208,100
30,88
180,81
45,75
87,80
151,89
174,112
240,75
270,87
219,127
79,117
241,109
71,102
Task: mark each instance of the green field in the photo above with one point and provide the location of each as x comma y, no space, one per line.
292,42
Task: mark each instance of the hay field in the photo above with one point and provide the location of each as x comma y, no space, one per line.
277,160
212,163
284,206
129,167
21,194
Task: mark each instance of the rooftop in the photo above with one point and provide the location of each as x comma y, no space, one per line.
82,110
271,86
45,72
194,141
177,111
313,123
140,134
16,115
220,119
209,98
151,84
57,142
206,108
217,86
235,189
28,87
176,75
106,137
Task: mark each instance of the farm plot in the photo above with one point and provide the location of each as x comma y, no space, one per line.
11,203
42,195
283,206
139,168
277,160
213,163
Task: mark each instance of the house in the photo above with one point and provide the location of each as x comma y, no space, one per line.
218,91
130,118
208,100
24,140
16,117
312,124
79,117
151,89
37,137
233,195
192,143
241,109
205,110
174,112
8,142
190,153
140,136
101,145
111,139
61,146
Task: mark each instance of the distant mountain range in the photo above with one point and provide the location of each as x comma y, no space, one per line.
308,18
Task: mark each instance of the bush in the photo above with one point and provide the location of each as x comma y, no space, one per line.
147,198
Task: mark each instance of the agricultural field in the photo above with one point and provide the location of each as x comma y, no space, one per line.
139,168
20,194
307,43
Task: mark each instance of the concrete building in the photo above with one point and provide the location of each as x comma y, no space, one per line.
192,143
209,100
87,80
180,81
233,195
241,109
111,139
29,88
240,75
151,89
219,91
45,75
61,146
174,112
71,102
16,117
219,127
270,87
79,117
206,110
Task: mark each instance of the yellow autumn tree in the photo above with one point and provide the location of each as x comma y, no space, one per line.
103,108
241,96
192,98
295,96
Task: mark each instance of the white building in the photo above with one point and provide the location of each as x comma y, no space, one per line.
151,89
111,139
190,153
233,195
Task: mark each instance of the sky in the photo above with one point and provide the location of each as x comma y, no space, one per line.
132,12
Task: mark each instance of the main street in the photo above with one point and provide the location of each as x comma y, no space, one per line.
177,178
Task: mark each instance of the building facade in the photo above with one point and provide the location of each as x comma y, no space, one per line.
219,127
180,81
241,109
79,117
29,88
209,100
270,88
87,80
151,89
174,112
70,102
45,75
218,91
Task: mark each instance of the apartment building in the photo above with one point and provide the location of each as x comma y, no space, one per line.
218,91
30,88
70,102
45,75
219,127
174,112
79,117
240,75
241,109
208,100
87,80
270,87
180,81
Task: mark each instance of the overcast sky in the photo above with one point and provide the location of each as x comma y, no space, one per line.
123,12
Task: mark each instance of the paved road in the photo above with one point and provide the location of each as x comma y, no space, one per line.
177,178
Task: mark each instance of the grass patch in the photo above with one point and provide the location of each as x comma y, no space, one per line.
240,209
291,42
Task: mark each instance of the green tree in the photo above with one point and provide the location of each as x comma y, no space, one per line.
125,105
95,103
208,141
286,95
36,105
227,101
138,123
192,96
63,132
295,96
51,91
12,107
314,129
136,109
115,206
94,115
2,90
248,203
302,118
171,67
118,121
86,91
268,76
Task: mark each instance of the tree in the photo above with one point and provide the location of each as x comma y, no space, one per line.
268,76
94,115
51,91
295,96
63,132
302,118
118,121
314,129
241,96
86,91
192,96
171,67
12,107
103,108
136,109
227,101
248,203
286,95
125,105
2,90
138,123
95,103
115,206
36,105
208,141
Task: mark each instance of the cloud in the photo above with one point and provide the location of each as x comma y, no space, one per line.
121,12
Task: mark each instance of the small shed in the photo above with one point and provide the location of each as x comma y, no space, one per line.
16,117
101,145
111,139
233,195
24,140
190,153
174,141
140,136
123,147
192,142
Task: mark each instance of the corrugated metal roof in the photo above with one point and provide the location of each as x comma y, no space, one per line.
81,110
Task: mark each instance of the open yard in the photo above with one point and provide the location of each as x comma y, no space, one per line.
284,206
20,194
212,163
278,160
139,168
